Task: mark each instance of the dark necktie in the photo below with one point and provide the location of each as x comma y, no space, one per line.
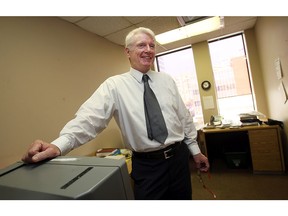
156,127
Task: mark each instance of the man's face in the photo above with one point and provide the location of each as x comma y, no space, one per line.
141,53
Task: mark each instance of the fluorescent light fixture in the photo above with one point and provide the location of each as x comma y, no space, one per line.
187,31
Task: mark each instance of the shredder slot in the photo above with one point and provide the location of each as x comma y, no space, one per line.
76,178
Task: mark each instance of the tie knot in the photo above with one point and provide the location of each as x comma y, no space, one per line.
145,78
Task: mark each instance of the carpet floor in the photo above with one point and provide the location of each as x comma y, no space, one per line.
238,184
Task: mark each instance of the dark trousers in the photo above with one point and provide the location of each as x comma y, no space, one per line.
163,179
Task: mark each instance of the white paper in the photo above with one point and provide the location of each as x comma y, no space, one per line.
278,68
208,102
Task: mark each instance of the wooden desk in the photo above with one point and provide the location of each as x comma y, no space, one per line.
264,145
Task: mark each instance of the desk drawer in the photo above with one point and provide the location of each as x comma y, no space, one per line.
266,137
264,146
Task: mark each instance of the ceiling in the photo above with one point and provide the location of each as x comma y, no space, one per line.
115,28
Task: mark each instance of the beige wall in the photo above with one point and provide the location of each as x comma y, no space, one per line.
256,77
272,42
48,68
204,72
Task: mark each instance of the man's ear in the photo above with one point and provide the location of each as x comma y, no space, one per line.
127,51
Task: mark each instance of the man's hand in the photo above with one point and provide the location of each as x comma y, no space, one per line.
39,151
202,162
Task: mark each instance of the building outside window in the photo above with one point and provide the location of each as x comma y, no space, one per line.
231,76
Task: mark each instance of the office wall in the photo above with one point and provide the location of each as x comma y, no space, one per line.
205,72
48,68
256,73
272,42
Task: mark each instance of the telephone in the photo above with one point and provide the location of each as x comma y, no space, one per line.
215,120
275,122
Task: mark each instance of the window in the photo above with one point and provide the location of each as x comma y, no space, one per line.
180,65
231,76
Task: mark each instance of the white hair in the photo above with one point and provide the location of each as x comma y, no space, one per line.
130,37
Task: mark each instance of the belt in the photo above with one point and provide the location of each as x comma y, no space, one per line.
165,153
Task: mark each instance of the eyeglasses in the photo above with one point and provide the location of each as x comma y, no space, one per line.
203,184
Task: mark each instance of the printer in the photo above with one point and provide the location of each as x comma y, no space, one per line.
67,178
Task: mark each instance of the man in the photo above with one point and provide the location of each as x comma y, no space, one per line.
160,169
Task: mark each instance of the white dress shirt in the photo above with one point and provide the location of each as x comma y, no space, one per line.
121,96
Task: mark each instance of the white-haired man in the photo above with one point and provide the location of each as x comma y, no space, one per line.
160,169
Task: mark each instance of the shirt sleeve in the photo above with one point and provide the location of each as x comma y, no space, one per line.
190,132
92,118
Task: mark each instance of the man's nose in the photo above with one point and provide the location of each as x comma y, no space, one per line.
148,48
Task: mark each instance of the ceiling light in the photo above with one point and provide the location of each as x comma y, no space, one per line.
187,31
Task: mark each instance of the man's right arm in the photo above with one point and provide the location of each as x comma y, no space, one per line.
91,118
39,151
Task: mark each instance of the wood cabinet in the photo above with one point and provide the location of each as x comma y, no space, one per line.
264,142
266,149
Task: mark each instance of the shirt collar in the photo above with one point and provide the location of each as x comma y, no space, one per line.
138,75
